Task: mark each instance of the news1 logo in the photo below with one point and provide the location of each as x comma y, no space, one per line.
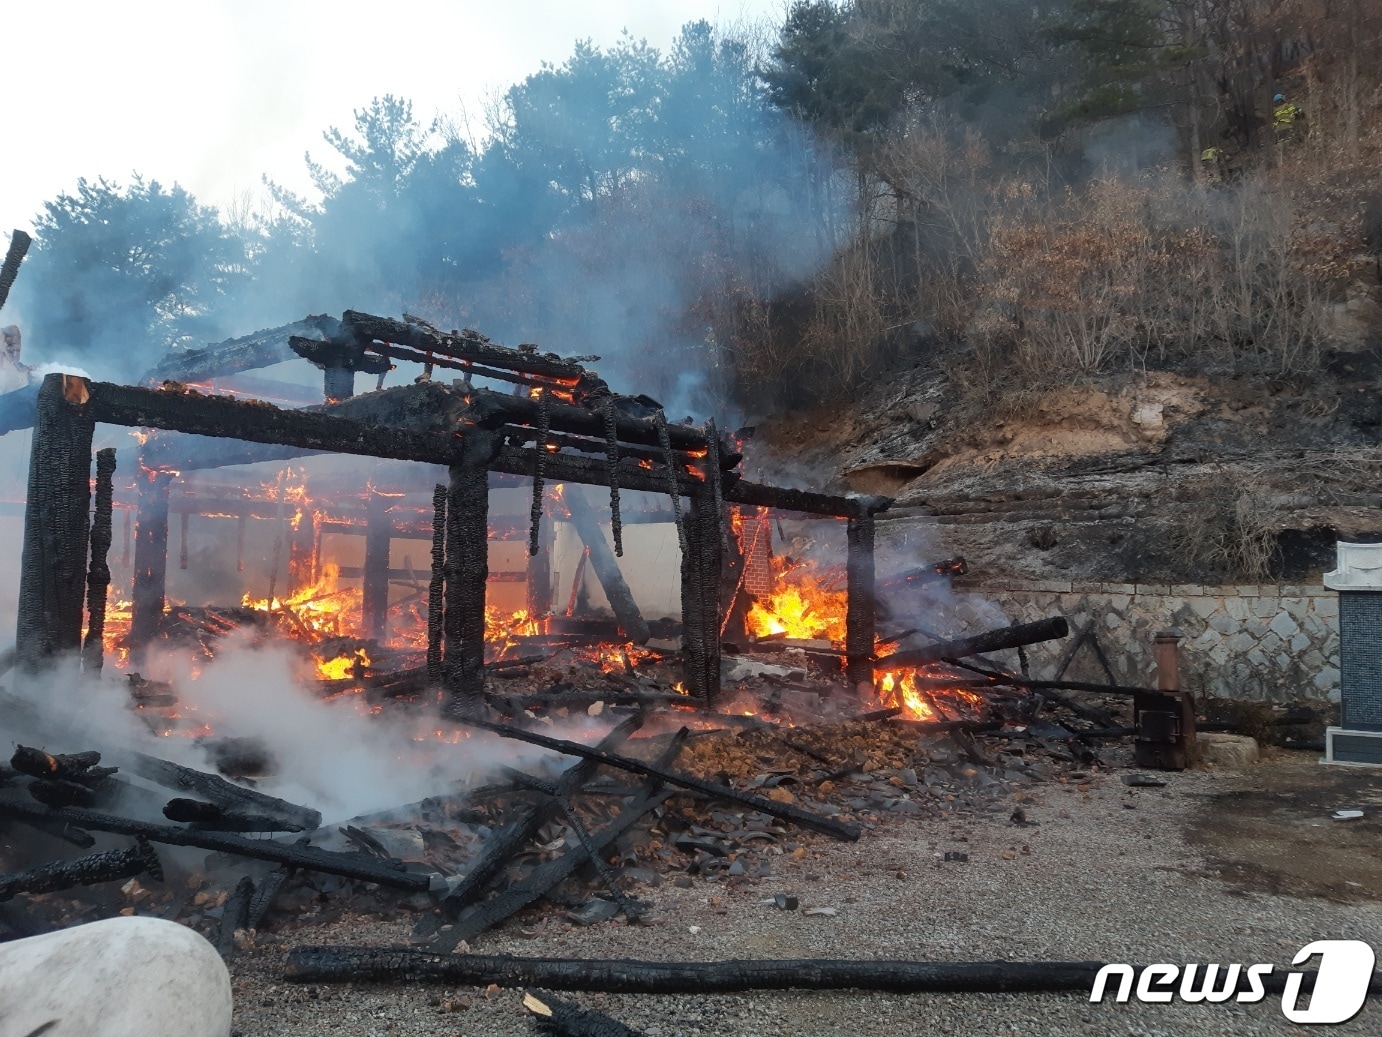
1341,982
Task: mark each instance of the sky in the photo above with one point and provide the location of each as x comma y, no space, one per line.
214,94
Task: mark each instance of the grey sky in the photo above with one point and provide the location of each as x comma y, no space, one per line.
212,94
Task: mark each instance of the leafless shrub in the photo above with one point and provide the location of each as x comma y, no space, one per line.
1229,529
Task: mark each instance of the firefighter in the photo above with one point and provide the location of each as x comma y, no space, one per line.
1288,121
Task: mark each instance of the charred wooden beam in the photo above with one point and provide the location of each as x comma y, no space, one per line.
741,491
490,409
785,811
374,591
14,255
518,435
110,866
219,791
623,976
366,328
184,410
991,641
261,349
98,575
860,607
57,523
548,875
213,818
80,767
626,613
309,858
510,839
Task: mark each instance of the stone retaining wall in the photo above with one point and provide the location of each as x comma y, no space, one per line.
1269,642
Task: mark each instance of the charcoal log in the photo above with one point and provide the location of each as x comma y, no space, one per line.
67,794
235,915
61,767
208,817
991,641
548,875
566,1020
9,270
785,811
219,791
85,871
623,976
506,842
308,858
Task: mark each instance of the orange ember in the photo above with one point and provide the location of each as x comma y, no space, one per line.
314,612
904,688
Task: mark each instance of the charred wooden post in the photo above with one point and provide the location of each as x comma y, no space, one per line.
110,866
98,575
606,567
467,570
700,595
860,609
375,590
539,585
436,587
9,270
150,585
184,520
57,523
223,793
338,361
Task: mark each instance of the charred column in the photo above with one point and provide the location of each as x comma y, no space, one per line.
98,575
700,596
540,590
375,592
52,577
150,561
436,587
861,608
607,570
467,570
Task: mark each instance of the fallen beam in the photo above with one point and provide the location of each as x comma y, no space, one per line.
607,571
261,349
785,811
548,875
223,793
990,641
110,866
623,976
308,858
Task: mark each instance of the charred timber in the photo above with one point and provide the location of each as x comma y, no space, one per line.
366,328
785,811
562,1019
490,409
150,581
98,573
184,410
235,916
110,866
219,791
467,570
79,767
991,641
343,354
309,858
548,875
518,435
860,603
741,491
9,270
510,839
57,524
624,976
212,818
262,349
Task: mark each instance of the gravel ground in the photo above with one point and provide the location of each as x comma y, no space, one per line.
1105,873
